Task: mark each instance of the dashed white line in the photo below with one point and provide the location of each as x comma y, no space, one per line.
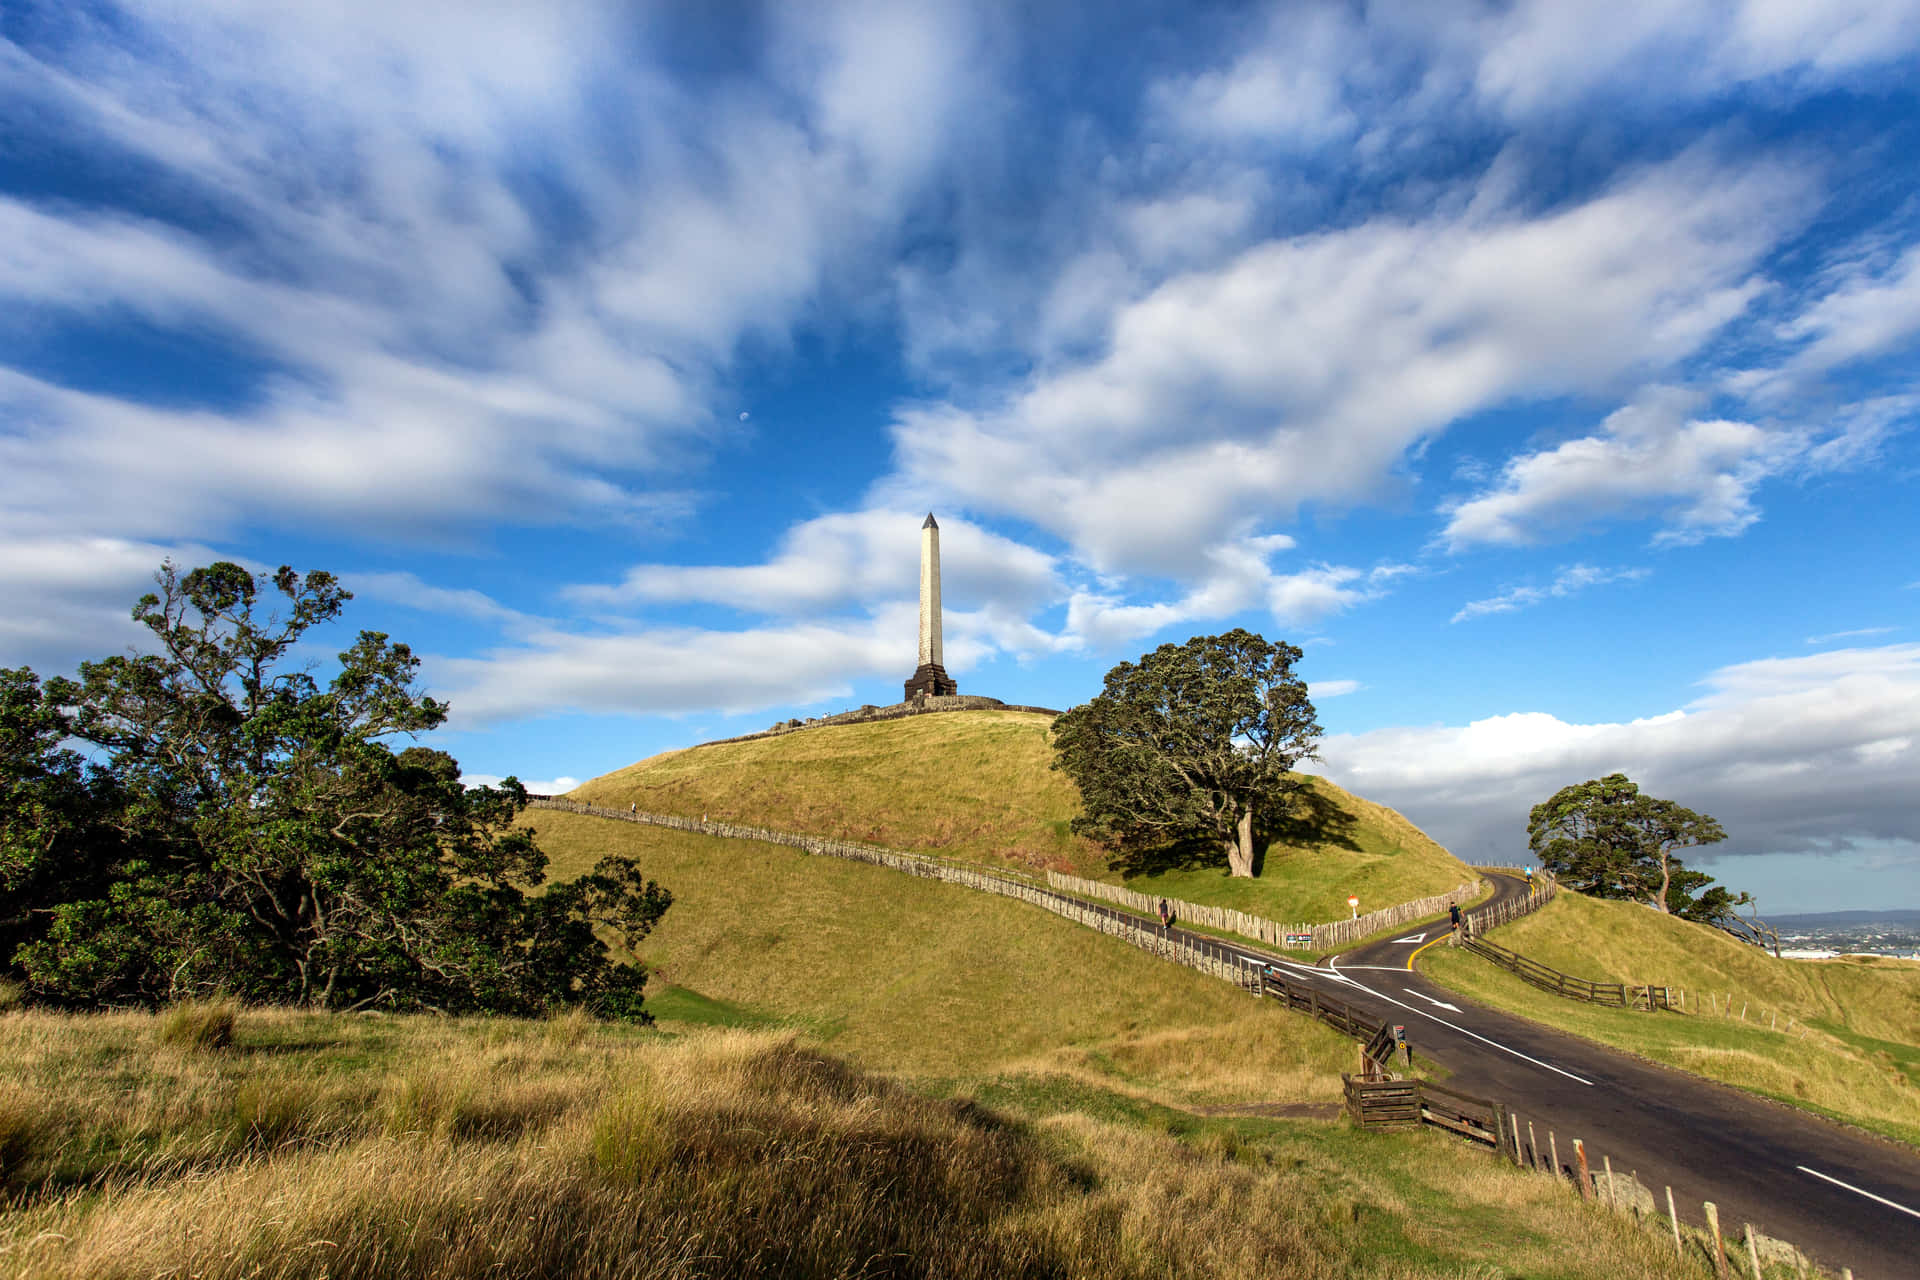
1339,976
1434,1017
1827,1177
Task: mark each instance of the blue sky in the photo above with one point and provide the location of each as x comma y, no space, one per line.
1546,371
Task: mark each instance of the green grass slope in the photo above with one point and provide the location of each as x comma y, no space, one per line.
438,1149
932,980
1835,1036
979,785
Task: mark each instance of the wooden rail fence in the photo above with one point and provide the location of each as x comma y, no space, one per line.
1499,913
1326,936
1376,1038
1195,953
1620,995
1390,1104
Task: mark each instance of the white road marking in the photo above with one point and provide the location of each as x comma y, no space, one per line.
1339,976
1418,937
1430,1000
1434,1017
1827,1177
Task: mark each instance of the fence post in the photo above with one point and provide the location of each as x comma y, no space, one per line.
1586,1177
1673,1218
1719,1246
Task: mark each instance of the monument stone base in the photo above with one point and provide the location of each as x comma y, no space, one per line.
931,681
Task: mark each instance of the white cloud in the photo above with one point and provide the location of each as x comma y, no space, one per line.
1291,88
1542,56
851,558
1790,754
409,590
1333,688
1857,633
676,670
1867,313
438,351
1231,579
539,787
1196,421
1696,477
1568,580
68,599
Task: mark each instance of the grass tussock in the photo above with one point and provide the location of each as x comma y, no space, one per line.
630,1153
979,785
198,1025
1834,1036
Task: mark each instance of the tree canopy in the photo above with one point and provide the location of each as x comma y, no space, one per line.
1604,837
233,825
1193,741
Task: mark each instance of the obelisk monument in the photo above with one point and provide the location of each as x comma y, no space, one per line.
930,678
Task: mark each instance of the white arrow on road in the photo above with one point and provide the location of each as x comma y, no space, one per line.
1430,1000
1418,937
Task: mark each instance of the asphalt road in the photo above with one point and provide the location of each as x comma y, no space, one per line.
1845,1197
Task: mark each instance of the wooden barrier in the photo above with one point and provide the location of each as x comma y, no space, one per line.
1383,1104
1619,995
1205,956
1499,913
1405,1104
1328,935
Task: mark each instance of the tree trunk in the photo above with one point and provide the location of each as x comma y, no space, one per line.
1666,878
1240,849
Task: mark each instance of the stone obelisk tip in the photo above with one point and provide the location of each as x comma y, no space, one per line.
931,522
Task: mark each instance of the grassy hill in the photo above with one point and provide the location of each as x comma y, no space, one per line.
1836,1036
932,980
436,1149
979,785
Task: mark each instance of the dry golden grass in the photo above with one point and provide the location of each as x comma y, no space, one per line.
979,785
453,1149
1835,1036
198,1024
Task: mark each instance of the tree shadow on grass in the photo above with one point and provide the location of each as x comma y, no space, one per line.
1311,820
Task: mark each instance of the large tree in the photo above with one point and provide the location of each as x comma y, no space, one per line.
1193,741
242,827
1604,837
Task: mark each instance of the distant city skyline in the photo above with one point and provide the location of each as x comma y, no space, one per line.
1546,372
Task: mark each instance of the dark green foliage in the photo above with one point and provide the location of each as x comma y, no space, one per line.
240,828
1192,744
1605,838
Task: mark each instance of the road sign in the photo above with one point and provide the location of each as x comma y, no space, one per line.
1299,939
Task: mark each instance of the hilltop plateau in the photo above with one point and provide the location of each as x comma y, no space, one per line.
979,785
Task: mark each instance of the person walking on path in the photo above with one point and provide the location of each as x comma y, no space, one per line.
1453,913
1166,918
